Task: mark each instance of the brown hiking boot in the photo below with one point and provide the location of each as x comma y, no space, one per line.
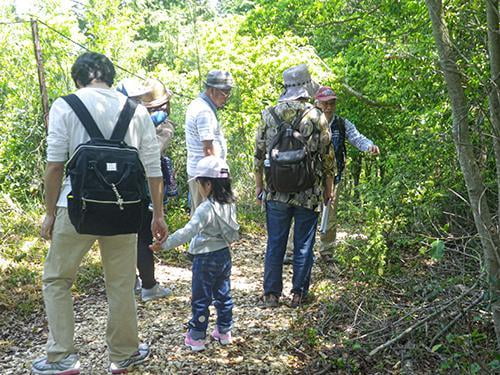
296,301
271,301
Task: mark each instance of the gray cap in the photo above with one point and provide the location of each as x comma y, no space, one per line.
298,84
219,79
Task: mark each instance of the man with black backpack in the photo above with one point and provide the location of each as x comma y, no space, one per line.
341,129
294,153
113,148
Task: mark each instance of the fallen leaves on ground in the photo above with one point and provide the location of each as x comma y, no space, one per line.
261,336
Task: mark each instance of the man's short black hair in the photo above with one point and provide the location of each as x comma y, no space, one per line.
90,66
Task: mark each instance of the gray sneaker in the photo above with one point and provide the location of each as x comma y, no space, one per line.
137,286
70,365
122,367
155,292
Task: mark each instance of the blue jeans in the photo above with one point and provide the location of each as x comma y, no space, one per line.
211,281
279,217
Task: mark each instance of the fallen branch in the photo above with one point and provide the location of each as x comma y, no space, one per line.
391,325
460,315
325,370
356,315
420,322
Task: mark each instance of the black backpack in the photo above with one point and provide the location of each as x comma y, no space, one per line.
290,168
338,142
108,182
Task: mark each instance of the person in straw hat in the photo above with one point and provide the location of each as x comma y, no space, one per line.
153,95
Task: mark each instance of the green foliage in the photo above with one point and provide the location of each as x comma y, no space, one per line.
367,253
250,218
382,64
312,336
456,350
378,55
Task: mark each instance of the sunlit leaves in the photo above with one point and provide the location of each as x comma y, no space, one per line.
437,250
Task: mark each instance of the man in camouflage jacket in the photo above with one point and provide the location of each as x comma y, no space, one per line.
302,206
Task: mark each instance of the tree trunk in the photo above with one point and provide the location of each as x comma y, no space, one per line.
476,189
494,92
494,103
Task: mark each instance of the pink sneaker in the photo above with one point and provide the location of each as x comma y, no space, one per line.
195,345
223,338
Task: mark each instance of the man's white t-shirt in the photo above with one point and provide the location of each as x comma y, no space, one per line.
202,125
66,132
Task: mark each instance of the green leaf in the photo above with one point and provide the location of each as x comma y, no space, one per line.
436,347
356,346
475,368
495,364
437,250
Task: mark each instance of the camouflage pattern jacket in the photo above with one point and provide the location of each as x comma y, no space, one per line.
314,128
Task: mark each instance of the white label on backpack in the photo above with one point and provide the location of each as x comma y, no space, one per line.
111,167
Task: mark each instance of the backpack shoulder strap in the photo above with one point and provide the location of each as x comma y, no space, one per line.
298,119
83,115
275,116
341,121
123,122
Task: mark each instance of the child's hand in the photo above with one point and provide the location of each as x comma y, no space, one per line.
155,246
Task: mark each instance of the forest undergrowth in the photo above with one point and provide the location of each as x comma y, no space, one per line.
425,316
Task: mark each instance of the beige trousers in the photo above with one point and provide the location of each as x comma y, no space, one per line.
194,191
119,256
327,239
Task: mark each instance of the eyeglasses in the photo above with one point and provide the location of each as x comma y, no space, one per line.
329,103
225,93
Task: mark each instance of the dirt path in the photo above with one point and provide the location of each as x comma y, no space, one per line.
261,335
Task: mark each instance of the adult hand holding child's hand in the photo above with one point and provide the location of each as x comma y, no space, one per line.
155,246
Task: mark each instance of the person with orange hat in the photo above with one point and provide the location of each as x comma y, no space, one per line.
341,129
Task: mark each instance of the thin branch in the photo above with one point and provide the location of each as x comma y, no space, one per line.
460,196
356,315
369,101
456,319
421,322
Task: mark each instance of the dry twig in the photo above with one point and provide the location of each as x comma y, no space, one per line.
421,322
456,319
